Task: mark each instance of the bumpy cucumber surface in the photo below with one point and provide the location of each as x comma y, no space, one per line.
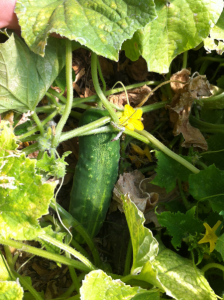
95,175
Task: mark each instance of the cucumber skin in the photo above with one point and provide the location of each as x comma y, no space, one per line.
95,175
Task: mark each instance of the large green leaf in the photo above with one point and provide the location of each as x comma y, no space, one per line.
23,196
145,246
100,25
10,290
180,278
97,285
180,26
24,76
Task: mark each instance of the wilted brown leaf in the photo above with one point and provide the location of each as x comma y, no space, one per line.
106,66
144,194
180,107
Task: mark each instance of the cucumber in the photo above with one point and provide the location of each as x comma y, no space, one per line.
95,175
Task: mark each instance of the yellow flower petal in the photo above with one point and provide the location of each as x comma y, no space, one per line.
128,110
137,124
138,114
210,236
130,126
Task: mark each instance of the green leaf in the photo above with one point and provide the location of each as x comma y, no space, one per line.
168,171
25,76
217,32
180,225
23,196
52,166
181,278
181,25
100,25
145,246
208,185
215,154
210,45
220,245
177,277
10,290
98,285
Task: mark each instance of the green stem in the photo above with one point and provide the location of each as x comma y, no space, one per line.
185,55
56,94
185,201
44,122
127,265
53,100
215,102
79,248
212,265
147,169
207,127
201,164
67,248
68,105
154,106
101,75
45,254
15,275
38,122
83,129
98,89
69,221
72,270
168,152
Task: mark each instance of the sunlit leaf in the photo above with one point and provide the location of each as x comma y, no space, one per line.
100,25
98,285
23,196
181,25
10,290
145,246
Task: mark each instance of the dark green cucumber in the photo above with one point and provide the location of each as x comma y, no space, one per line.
95,175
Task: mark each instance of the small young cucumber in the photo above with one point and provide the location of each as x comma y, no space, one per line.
95,175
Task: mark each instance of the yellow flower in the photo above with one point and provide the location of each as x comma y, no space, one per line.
210,236
131,118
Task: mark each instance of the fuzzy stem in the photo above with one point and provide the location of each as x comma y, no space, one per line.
98,88
48,118
42,253
72,270
38,122
83,129
168,152
68,105
101,75
67,248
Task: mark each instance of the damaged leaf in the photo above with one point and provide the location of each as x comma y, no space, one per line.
180,107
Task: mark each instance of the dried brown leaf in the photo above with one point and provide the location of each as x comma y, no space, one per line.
181,104
135,96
